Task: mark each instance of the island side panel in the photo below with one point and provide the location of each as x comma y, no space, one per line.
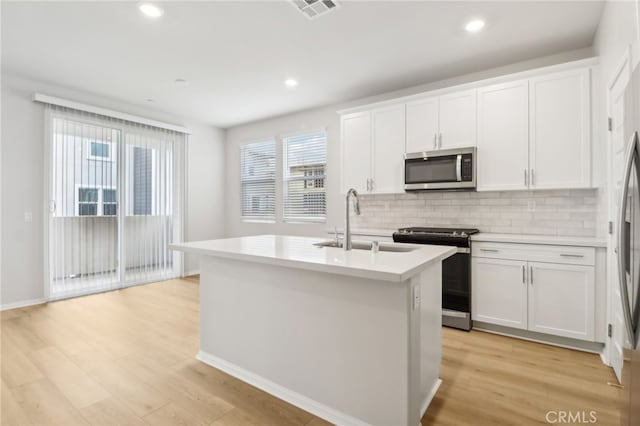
426,339
340,342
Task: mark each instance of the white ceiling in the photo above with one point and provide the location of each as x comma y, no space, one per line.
236,55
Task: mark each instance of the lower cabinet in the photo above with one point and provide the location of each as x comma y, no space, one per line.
561,300
499,294
551,298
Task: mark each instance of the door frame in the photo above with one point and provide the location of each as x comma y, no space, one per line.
624,66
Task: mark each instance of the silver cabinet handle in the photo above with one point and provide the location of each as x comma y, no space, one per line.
571,255
531,274
533,177
373,184
524,273
368,184
526,178
435,141
490,250
440,141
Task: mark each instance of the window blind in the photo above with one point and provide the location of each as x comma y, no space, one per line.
304,175
258,179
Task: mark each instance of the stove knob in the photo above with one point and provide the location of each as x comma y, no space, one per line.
463,234
455,233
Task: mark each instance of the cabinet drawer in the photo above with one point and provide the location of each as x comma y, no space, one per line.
571,255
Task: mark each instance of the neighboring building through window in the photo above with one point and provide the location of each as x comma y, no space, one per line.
304,192
258,180
142,178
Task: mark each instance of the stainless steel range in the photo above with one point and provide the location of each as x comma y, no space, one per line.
456,270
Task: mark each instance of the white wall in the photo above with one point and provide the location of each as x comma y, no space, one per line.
22,179
328,118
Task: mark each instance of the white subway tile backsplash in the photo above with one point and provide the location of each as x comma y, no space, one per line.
548,212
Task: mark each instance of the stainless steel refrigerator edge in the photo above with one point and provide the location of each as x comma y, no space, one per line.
628,250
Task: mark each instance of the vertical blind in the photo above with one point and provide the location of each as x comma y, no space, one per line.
258,180
304,175
114,202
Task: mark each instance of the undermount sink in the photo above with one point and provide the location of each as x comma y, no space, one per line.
360,245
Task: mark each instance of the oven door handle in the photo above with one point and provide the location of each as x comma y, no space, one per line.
463,250
459,167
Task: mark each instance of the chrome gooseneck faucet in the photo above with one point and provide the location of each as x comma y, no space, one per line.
347,226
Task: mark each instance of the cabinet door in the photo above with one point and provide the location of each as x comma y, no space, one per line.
499,292
356,151
503,134
561,300
422,125
458,116
388,150
560,134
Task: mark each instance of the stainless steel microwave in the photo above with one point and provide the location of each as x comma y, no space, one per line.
443,169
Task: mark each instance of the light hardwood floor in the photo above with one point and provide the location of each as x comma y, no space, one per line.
127,358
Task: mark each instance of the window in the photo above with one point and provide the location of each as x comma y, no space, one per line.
142,177
99,151
97,202
87,201
304,192
258,180
109,202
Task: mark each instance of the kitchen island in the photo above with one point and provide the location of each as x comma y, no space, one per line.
353,337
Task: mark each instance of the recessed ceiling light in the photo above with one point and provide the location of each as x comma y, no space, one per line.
290,82
151,10
474,26
150,100
181,82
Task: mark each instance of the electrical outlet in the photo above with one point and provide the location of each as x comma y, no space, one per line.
28,217
531,206
416,297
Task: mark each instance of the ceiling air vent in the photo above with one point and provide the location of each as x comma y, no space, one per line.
314,8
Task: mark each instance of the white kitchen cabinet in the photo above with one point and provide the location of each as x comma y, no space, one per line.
373,145
503,135
499,294
422,125
443,122
561,300
388,150
540,288
559,130
458,116
356,151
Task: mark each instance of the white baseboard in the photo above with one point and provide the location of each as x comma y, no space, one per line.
193,272
429,398
21,304
314,407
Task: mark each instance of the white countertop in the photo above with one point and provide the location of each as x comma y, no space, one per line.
299,252
540,239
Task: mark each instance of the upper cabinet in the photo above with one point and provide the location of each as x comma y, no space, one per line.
356,151
530,133
388,150
373,151
559,130
444,122
503,134
422,125
458,120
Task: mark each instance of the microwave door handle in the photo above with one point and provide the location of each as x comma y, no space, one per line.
459,168
632,153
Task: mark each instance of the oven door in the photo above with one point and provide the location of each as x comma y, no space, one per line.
456,290
439,170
